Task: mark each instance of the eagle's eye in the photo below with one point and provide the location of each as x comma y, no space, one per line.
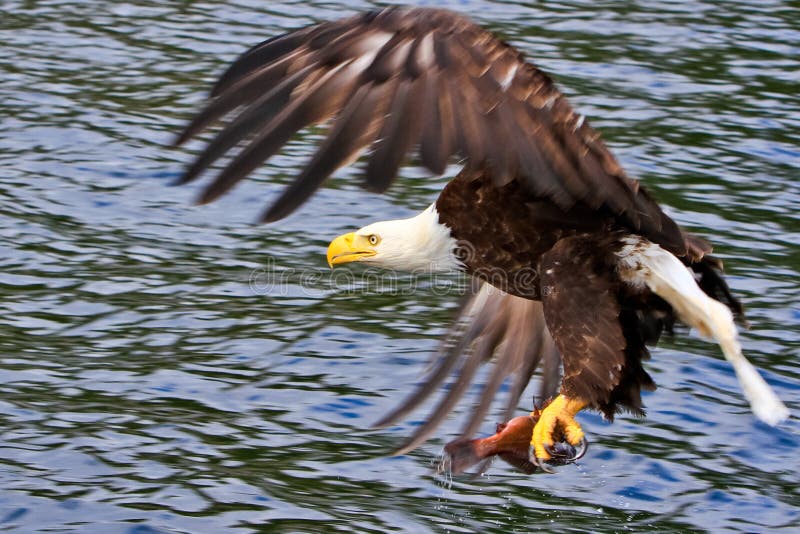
373,239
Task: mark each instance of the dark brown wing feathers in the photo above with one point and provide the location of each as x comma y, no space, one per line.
259,57
401,130
357,124
452,89
262,108
492,325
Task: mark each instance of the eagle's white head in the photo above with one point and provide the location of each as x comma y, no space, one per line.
418,244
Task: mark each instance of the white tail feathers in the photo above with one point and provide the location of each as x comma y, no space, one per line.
642,262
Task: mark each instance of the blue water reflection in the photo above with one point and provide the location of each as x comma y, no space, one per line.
146,387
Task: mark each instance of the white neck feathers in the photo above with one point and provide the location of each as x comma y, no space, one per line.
420,243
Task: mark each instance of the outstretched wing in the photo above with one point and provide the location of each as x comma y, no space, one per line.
403,77
491,325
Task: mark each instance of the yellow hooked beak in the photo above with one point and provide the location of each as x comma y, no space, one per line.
349,247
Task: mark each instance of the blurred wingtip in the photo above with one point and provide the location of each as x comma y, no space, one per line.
274,213
179,139
183,179
207,196
407,447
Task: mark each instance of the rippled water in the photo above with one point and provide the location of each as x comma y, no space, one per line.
147,385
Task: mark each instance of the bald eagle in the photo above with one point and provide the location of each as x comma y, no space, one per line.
571,256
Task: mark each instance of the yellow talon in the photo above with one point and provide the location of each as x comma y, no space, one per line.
558,416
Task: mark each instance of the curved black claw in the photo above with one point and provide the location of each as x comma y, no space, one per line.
583,446
537,462
560,452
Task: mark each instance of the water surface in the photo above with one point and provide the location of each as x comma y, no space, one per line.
150,381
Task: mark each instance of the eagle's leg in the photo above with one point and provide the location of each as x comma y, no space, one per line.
580,298
557,420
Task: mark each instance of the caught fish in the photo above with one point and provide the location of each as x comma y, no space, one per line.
511,443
